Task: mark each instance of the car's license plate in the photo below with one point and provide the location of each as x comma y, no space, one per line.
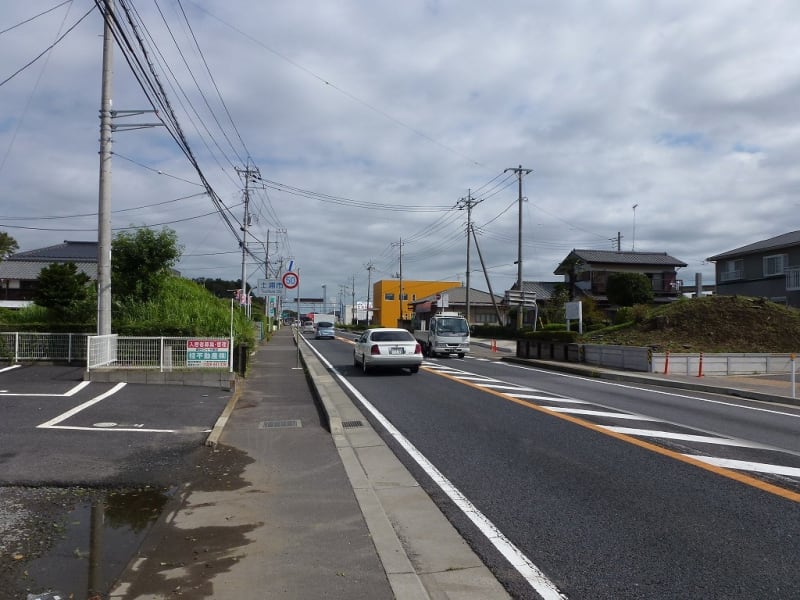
397,350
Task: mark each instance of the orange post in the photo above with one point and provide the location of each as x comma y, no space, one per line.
494,345
666,363
700,366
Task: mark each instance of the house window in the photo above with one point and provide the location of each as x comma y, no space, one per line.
732,269
774,265
404,297
388,296
793,279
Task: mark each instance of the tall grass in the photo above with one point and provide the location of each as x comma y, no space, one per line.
183,308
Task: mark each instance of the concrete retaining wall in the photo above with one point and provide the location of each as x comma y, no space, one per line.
634,358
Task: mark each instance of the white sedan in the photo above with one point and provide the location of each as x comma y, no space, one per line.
387,347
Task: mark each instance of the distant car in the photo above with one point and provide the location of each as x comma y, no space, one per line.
387,347
324,329
308,327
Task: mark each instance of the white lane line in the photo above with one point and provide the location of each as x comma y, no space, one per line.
80,407
705,439
600,413
532,574
743,465
476,378
9,368
70,392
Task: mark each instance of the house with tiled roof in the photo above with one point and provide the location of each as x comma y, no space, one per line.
586,273
20,271
768,268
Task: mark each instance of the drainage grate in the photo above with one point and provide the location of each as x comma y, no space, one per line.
283,424
351,424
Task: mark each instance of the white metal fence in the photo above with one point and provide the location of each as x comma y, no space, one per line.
162,353
17,346
119,352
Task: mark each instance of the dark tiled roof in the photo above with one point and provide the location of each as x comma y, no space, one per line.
66,252
544,290
774,243
613,257
29,270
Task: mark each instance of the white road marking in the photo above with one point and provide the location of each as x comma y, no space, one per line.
743,465
54,423
532,574
71,392
547,398
9,368
687,437
600,413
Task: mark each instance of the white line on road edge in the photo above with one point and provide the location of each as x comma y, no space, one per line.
9,368
532,574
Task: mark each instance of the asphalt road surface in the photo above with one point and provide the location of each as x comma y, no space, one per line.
611,491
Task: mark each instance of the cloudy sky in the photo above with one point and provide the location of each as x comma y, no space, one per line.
368,124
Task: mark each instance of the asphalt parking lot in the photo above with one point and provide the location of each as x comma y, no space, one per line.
60,430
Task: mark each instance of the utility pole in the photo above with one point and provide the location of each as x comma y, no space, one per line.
520,172
400,294
104,201
353,316
247,173
469,203
370,267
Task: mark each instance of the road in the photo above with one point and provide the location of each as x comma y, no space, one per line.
609,490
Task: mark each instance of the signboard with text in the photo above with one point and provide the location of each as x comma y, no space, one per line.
207,353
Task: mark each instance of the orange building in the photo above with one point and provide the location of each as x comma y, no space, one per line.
386,301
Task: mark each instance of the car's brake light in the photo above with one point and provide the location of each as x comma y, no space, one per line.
375,349
418,349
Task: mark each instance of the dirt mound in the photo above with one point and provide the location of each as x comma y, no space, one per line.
714,324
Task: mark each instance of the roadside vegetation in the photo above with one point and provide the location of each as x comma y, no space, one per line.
148,299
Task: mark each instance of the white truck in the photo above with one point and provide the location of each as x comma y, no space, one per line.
446,333
317,317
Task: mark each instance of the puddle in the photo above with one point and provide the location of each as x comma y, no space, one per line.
94,539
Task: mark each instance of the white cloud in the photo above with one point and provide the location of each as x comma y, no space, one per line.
686,109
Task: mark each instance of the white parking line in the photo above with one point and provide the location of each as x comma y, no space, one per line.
54,423
9,368
71,392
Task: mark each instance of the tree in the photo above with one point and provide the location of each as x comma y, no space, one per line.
8,245
628,289
141,261
65,292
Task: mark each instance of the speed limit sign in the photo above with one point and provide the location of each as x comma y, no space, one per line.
290,280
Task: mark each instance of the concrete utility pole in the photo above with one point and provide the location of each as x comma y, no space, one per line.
247,173
353,315
469,203
370,267
104,201
520,172
400,293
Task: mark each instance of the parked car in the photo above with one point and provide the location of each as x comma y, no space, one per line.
308,327
387,347
324,329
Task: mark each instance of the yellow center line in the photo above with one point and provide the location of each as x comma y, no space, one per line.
730,474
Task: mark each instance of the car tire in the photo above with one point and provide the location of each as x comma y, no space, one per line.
364,366
414,369
355,360
460,355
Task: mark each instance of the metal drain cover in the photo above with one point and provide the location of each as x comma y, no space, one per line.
351,424
281,424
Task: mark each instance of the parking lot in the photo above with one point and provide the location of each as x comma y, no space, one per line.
60,430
